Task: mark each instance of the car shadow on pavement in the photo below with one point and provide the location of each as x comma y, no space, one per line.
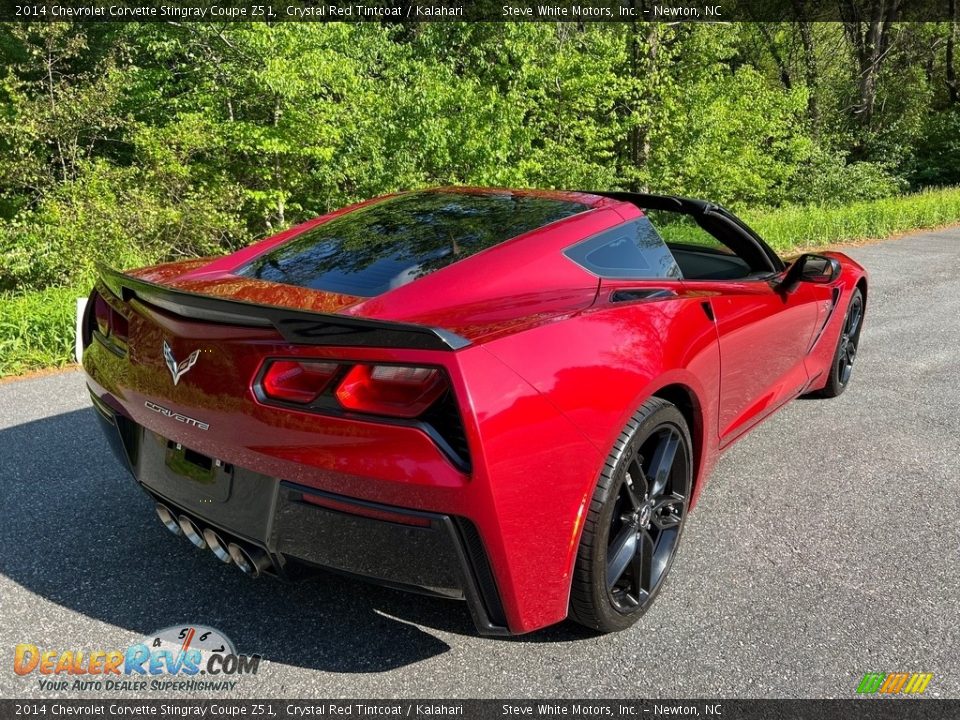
77,531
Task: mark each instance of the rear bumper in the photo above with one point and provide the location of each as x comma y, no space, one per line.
301,528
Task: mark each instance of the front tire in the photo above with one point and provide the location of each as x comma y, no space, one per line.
636,517
846,352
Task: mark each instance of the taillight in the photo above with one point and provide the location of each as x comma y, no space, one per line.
395,390
299,382
110,323
119,327
102,312
410,394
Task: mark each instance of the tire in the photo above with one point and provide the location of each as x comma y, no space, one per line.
635,521
843,358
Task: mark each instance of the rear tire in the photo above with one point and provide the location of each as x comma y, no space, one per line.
842,366
635,521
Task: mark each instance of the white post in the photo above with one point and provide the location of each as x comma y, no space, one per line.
78,345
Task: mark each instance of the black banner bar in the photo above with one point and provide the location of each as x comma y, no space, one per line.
416,11
271,709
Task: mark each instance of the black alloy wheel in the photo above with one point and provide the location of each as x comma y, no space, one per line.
635,521
645,525
849,338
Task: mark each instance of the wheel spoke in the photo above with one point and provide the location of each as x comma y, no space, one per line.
851,351
662,461
853,321
643,564
634,490
846,356
842,355
620,553
640,485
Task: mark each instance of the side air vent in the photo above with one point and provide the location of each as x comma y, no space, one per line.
641,294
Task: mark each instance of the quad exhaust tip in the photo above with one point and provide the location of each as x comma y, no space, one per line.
217,545
193,533
168,519
252,561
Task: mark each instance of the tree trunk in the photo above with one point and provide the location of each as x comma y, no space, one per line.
643,63
782,68
653,51
811,76
953,90
52,93
870,39
633,137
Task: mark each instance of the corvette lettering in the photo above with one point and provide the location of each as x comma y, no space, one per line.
176,416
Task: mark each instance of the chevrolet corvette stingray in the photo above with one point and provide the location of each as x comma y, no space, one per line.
509,397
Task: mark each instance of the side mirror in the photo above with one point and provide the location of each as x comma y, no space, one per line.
810,268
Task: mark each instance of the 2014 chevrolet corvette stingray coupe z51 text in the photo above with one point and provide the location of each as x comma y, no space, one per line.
510,397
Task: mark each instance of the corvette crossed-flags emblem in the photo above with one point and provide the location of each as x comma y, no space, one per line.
178,370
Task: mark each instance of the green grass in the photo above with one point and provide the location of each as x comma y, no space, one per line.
37,328
811,226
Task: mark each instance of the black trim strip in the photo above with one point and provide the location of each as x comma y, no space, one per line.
302,327
123,435
101,407
479,586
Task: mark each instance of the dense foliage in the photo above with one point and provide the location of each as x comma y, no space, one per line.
136,143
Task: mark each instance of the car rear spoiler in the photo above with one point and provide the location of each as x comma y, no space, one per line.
302,327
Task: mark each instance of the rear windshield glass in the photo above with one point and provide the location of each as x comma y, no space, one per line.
383,246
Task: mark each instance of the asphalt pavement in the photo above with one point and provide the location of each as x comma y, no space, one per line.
826,545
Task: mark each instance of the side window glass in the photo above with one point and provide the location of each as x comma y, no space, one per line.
681,229
633,250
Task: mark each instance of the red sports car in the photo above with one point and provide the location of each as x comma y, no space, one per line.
511,397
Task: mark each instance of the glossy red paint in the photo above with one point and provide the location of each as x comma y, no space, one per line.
555,367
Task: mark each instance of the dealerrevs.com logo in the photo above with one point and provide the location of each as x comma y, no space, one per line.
186,658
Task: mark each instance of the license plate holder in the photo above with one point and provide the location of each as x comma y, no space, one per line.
184,474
